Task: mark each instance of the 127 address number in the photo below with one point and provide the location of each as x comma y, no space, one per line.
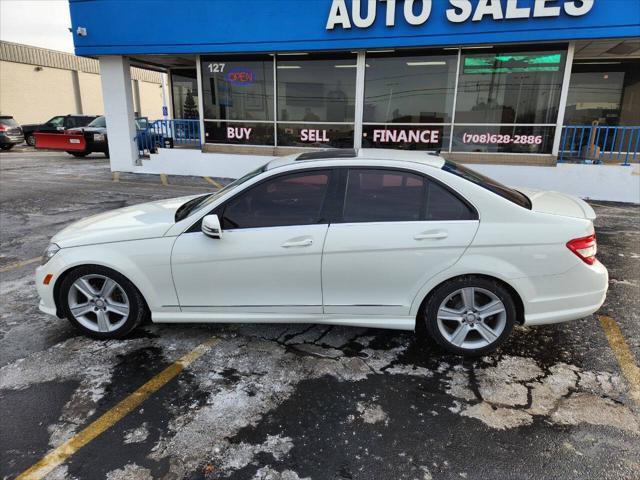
216,67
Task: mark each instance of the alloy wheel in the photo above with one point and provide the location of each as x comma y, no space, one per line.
98,303
471,318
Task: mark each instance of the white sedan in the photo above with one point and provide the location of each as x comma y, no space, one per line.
368,238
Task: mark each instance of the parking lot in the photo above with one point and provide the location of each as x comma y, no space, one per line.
290,402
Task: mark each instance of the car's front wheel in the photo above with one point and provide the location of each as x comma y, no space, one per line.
31,140
101,302
470,315
6,146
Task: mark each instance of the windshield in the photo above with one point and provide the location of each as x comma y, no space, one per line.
99,122
197,203
488,183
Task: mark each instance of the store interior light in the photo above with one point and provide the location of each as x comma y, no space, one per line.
381,51
350,66
289,67
292,54
422,64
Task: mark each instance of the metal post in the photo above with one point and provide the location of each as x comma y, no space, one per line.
455,100
275,101
361,64
564,94
163,83
200,100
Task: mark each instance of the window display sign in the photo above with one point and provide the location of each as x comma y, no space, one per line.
317,136
404,136
239,133
504,139
513,63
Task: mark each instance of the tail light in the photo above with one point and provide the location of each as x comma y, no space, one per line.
2,128
585,248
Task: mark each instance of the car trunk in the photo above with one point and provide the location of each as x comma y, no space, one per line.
556,203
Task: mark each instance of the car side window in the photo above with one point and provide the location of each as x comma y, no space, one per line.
56,122
442,205
383,196
295,199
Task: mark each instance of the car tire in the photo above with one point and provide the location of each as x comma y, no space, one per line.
79,154
7,146
470,315
31,140
101,302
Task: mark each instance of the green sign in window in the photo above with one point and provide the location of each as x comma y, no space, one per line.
512,63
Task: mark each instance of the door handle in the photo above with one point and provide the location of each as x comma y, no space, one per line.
298,243
437,235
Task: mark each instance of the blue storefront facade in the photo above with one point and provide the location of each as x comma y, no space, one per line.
502,80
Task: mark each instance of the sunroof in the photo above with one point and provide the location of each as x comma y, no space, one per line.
325,154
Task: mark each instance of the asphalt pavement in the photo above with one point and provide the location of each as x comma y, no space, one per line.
291,402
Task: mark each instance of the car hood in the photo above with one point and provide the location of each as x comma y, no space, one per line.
556,203
146,220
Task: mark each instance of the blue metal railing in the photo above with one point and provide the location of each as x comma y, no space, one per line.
167,134
599,143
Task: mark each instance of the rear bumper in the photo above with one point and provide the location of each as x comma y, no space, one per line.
11,139
575,294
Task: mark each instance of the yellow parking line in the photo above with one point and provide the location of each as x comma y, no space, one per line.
213,182
116,176
113,416
164,179
623,354
13,266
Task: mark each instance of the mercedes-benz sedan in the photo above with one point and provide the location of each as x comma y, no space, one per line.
368,238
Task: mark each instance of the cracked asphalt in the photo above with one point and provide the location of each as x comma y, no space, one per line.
291,402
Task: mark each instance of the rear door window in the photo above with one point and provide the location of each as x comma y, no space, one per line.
384,195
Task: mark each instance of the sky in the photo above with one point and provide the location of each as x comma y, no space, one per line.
43,23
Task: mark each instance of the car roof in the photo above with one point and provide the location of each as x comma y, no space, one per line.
422,157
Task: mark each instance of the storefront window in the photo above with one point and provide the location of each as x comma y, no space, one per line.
240,91
603,92
184,88
518,91
408,100
409,88
316,100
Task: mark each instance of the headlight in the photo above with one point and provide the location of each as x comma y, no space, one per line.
49,252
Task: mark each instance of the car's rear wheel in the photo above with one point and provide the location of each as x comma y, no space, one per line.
470,315
101,303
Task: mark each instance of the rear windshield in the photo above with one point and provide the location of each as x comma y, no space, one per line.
8,122
98,123
488,183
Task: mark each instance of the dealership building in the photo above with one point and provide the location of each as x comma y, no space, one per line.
537,92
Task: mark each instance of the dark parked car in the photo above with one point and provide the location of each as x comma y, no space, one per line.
10,133
56,124
95,135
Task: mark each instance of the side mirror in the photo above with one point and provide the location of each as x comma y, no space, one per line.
211,226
